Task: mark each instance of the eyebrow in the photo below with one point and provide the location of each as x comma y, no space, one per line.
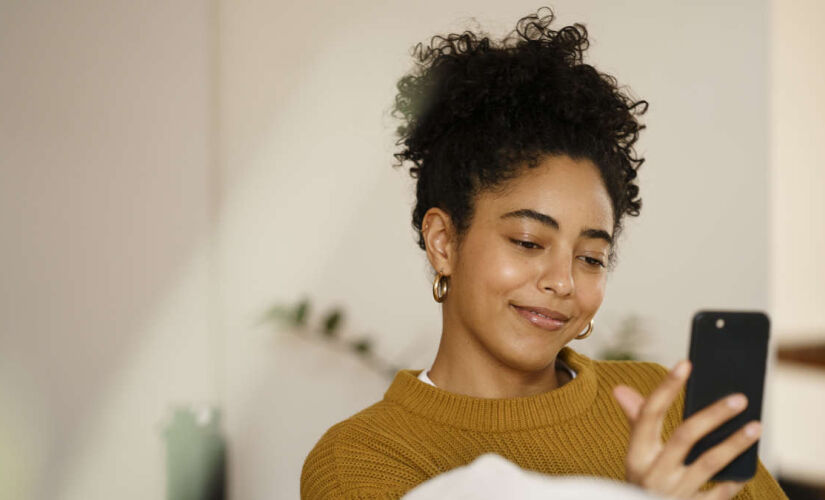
526,213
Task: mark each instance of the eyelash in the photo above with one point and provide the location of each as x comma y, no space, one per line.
523,244
589,260
595,262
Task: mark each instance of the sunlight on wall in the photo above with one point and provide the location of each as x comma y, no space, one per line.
171,364
24,434
797,171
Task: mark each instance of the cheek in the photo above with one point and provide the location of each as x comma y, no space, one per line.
591,293
502,272
490,275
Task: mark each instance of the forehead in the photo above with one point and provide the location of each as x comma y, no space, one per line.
568,189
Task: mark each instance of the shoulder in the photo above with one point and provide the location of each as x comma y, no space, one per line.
319,475
643,376
352,456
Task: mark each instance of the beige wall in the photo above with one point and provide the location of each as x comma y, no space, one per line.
798,168
797,251
134,270
105,153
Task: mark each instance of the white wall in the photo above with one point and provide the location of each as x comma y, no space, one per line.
797,208
798,169
106,121
312,206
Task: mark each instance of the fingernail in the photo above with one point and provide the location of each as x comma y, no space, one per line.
681,369
753,428
737,401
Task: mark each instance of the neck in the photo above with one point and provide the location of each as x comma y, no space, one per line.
464,366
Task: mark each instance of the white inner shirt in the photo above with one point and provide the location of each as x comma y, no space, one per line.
424,378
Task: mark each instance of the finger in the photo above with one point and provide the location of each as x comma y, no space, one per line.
652,413
645,441
629,400
716,458
722,491
696,427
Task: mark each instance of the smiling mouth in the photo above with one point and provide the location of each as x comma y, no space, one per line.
539,320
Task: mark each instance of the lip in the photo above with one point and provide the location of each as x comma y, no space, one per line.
546,312
554,321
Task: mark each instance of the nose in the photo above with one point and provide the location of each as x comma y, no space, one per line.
558,274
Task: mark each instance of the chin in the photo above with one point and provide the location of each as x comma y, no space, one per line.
529,360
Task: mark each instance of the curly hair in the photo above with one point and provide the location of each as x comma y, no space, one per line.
475,112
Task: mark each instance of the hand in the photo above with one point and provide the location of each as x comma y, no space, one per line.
659,467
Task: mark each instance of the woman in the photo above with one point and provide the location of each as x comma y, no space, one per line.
525,168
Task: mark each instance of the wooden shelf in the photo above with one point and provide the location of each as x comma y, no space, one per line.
809,354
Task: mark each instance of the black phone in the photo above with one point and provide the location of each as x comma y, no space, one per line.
729,352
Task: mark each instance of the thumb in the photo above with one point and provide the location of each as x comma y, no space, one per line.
629,400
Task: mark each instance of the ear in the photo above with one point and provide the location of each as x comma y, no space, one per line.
439,236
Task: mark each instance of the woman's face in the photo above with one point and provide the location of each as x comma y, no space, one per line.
542,242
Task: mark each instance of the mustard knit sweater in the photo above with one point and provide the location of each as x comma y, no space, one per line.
419,431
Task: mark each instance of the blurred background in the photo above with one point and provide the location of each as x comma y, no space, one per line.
175,175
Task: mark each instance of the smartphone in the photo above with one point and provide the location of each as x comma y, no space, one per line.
729,352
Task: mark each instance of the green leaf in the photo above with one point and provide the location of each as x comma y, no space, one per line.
362,346
332,321
302,312
278,311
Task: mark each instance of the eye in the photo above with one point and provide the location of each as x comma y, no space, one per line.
525,244
592,261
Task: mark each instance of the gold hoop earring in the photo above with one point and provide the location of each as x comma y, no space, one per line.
440,287
587,332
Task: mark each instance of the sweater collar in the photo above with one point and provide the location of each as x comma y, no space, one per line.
498,414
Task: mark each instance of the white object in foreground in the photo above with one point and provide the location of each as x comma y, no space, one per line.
491,476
